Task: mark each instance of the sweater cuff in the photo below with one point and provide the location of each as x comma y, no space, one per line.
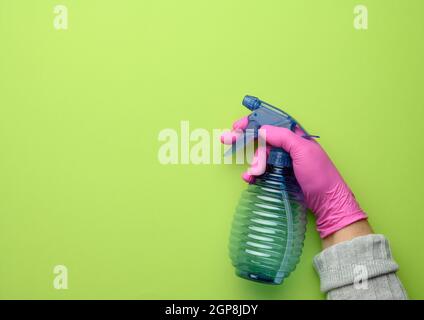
341,264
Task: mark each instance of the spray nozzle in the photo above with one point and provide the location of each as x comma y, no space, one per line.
251,103
263,114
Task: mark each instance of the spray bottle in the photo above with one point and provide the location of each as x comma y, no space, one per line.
269,224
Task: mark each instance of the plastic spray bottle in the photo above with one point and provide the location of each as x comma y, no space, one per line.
269,224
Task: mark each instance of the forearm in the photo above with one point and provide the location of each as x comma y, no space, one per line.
357,266
357,229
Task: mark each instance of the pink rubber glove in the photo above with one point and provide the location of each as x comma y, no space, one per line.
326,193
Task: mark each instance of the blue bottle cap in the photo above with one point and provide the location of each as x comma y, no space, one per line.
279,158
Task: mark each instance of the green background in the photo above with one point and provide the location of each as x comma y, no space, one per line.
81,109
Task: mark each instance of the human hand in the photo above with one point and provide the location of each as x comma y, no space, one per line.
325,191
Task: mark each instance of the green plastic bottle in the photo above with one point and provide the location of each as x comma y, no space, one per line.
269,225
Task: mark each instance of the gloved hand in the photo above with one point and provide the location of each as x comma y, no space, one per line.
325,191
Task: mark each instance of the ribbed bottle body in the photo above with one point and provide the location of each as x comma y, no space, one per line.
269,227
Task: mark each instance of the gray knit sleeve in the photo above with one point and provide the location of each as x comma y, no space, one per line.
362,268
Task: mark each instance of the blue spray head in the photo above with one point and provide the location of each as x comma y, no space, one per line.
266,114
251,103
